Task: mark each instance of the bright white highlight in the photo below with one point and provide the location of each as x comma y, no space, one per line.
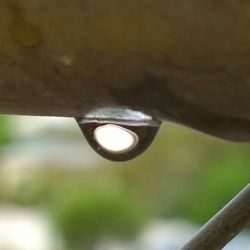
115,139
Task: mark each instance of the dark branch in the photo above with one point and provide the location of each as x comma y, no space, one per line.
224,226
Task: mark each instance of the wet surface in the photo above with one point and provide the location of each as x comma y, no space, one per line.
181,61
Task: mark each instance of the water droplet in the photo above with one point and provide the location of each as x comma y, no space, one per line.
118,133
115,138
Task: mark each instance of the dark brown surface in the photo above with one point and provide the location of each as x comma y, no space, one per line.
187,61
224,226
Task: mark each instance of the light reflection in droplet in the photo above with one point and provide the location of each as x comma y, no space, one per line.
115,139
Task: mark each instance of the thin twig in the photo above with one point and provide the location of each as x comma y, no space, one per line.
224,226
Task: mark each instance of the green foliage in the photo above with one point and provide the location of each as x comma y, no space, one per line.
83,210
222,179
4,130
187,175
84,216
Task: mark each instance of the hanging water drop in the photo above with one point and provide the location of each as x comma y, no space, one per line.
118,133
115,138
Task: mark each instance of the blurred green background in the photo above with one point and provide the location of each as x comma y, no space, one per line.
183,175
